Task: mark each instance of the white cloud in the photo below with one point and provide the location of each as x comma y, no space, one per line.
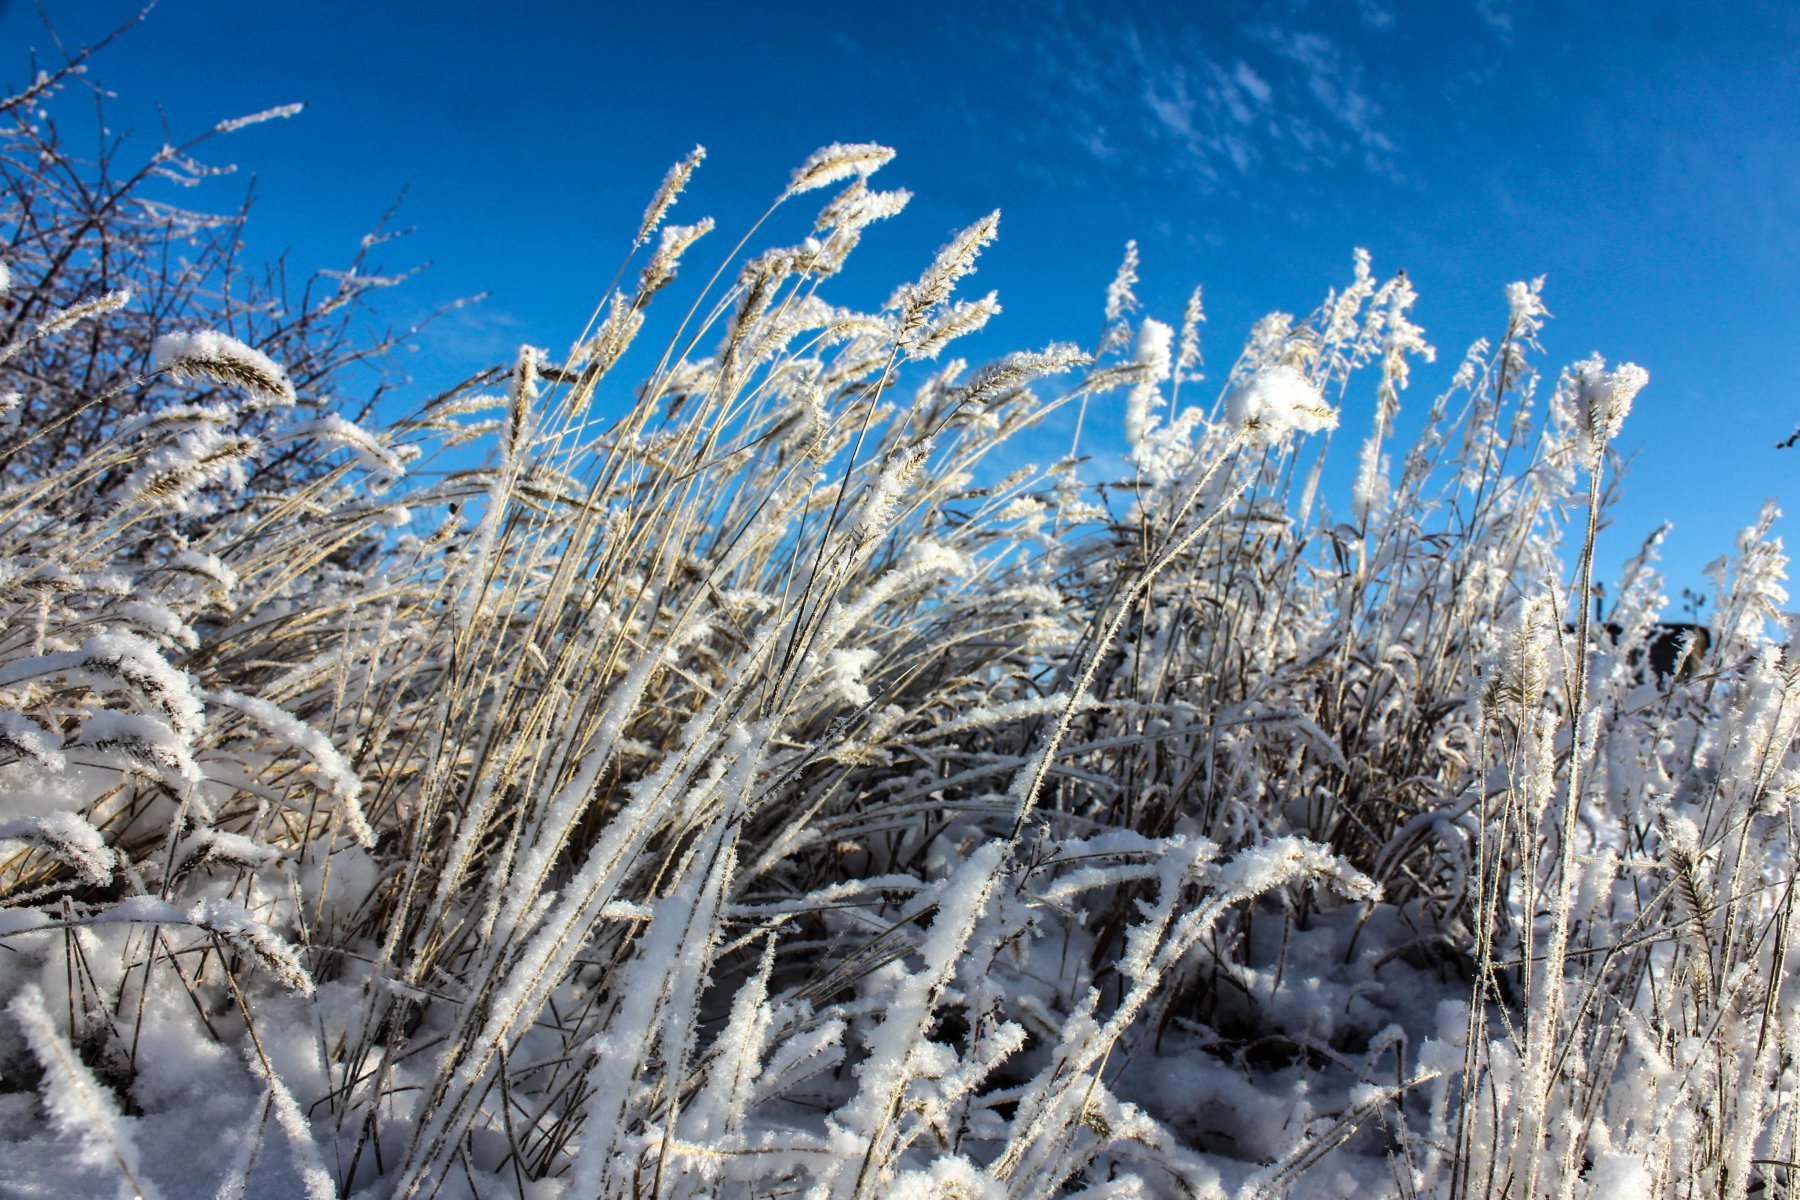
1497,16
1175,110
1334,80
1218,105
1375,16
1251,82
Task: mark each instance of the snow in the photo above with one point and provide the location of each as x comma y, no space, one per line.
25,737
1275,402
1154,362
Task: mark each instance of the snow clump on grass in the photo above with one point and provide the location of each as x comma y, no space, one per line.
1275,402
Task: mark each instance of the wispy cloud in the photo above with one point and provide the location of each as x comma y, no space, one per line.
1334,80
1375,16
1497,16
1219,106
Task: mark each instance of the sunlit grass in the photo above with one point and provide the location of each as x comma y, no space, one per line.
731,781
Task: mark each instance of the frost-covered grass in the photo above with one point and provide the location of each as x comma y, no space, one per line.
739,785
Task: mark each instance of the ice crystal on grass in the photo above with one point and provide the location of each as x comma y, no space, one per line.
79,1107
280,112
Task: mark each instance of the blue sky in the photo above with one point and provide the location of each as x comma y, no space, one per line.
1641,155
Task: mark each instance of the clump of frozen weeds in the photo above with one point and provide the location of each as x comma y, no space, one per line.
749,781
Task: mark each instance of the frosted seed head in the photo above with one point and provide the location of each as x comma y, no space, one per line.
216,358
954,260
521,397
1526,301
1192,317
1517,676
130,661
840,160
857,206
1603,400
667,192
23,738
1000,377
254,940
172,474
60,320
145,743
66,836
211,570
1120,299
675,241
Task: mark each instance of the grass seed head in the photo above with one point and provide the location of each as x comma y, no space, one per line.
840,160
668,192
1603,400
217,358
